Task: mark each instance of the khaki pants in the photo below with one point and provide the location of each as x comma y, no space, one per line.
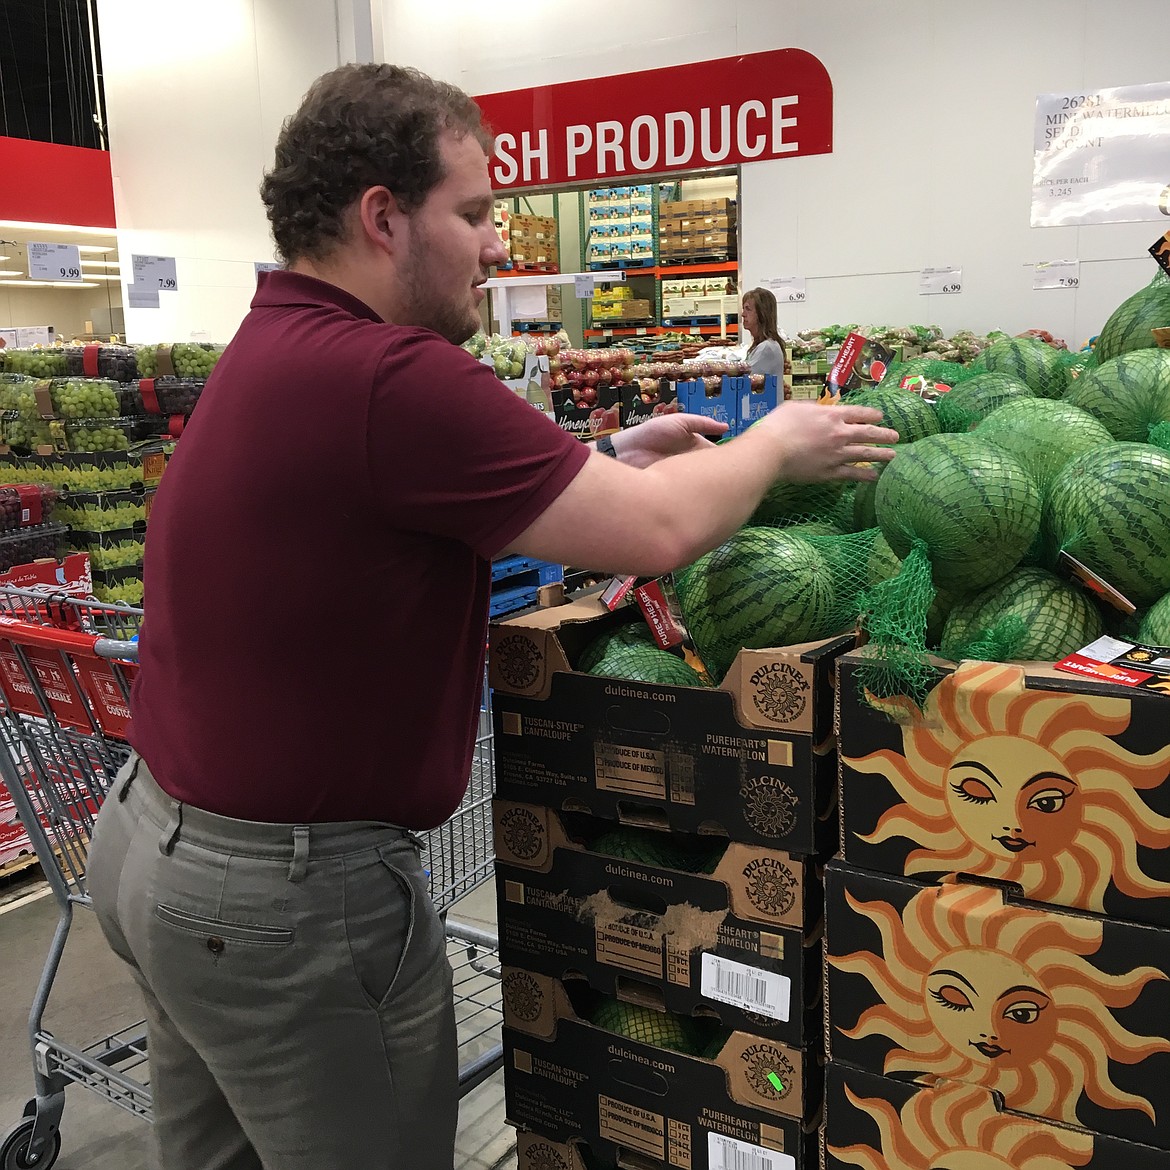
298,996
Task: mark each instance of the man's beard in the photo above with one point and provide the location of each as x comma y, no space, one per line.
428,308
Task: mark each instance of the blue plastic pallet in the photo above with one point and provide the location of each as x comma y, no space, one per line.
686,322
537,326
506,601
601,265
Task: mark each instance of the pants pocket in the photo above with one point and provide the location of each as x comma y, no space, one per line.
381,903
256,934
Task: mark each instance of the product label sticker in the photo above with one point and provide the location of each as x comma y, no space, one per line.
728,1153
1091,582
749,988
1127,664
1160,248
634,1128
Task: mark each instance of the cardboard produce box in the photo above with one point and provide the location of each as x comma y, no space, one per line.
1057,784
721,404
887,1124
574,1081
1065,1015
635,310
640,403
740,943
754,759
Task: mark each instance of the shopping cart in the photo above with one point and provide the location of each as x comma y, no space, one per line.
66,668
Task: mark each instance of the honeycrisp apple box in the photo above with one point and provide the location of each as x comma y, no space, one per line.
889,1124
753,760
573,1081
1064,1015
740,944
1022,774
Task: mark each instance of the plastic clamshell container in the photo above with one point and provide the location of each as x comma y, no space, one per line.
44,542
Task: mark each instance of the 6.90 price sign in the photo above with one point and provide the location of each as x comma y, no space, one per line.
54,262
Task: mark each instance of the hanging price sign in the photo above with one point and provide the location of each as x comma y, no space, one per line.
1057,274
933,281
789,290
156,272
54,262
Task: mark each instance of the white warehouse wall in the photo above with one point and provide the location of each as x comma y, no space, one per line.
933,112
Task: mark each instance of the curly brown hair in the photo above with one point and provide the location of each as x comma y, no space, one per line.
358,127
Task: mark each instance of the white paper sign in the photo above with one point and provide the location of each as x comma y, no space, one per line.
142,296
54,262
583,286
728,1153
266,266
156,271
933,281
727,981
1101,157
529,301
1057,274
789,290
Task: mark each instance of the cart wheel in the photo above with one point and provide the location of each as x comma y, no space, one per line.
14,1149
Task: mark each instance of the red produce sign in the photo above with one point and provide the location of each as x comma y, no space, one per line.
711,113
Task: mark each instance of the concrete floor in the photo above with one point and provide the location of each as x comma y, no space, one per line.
92,996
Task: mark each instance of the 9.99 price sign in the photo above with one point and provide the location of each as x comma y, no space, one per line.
54,262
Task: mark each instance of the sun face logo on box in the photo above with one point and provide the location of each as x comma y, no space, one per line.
522,832
542,1156
956,1127
770,806
766,1067
1024,785
518,661
999,996
781,692
770,886
523,996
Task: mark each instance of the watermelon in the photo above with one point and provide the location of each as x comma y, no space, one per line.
932,369
1029,615
973,400
760,588
1043,435
1030,360
864,509
1129,393
1130,325
1110,508
633,633
945,600
789,503
1076,362
1155,627
973,504
646,1026
666,850
842,513
648,664
814,528
902,410
883,562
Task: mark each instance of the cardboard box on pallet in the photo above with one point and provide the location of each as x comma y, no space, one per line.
636,310
754,759
888,1124
573,1081
1055,783
739,942
718,402
1065,1015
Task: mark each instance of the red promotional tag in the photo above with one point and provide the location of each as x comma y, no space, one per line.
175,425
89,359
30,503
149,398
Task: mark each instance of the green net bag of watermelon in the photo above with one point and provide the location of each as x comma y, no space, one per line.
1110,509
1029,615
960,513
635,633
641,662
646,1026
1155,624
785,504
973,400
932,369
1043,435
667,850
1128,394
1027,359
1131,325
764,588
1076,362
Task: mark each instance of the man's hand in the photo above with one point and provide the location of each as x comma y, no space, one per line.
668,434
828,442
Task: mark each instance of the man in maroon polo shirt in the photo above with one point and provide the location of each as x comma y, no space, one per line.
318,574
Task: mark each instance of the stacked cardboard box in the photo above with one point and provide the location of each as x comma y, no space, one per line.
620,222
998,931
691,229
659,900
608,302
534,241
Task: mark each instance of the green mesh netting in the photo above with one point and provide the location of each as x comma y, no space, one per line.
1034,362
902,410
1030,615
767,587
689,854
646,1026
973,400
792,503
1130,326
1043,435
1128,394
1075,363
646,663
1110,508
1160,435
636,633
961,513
932,369
1155,625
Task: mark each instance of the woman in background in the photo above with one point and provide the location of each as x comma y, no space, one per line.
766,355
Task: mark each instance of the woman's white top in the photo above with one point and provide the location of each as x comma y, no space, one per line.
767,357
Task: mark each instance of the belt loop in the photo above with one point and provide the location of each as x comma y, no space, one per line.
131,776
300,860
170,834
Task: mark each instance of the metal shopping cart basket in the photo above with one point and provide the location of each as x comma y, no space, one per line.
66,667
